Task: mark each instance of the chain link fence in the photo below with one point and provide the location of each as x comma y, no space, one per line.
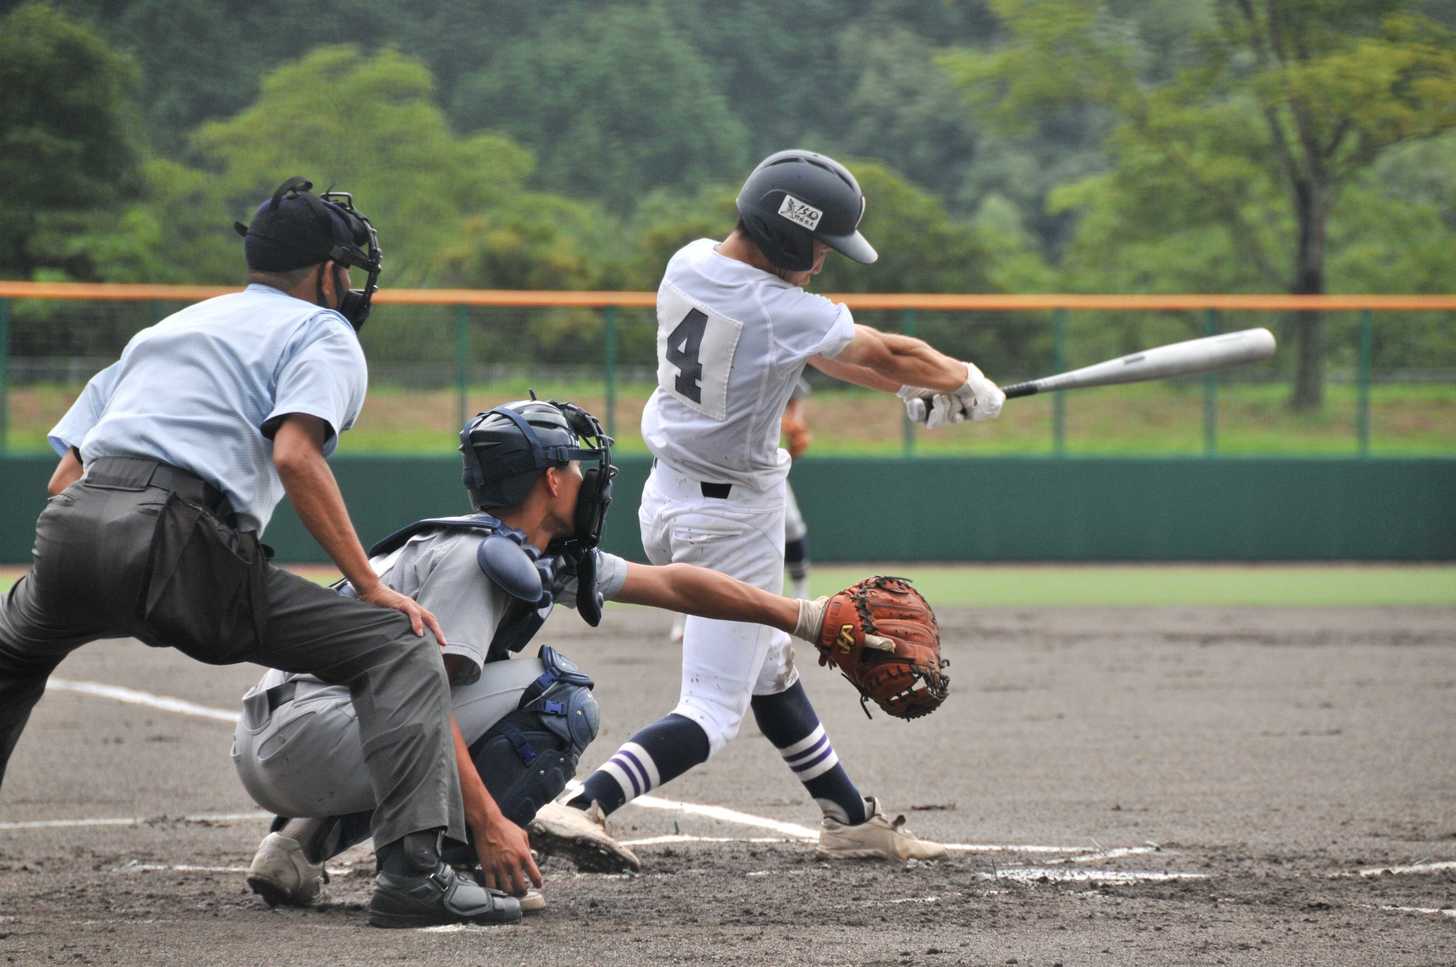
1389,370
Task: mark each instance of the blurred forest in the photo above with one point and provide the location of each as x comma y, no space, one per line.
1004,145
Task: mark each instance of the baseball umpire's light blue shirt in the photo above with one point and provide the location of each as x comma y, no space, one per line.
206,388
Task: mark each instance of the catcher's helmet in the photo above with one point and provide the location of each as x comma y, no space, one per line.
794,197
507,448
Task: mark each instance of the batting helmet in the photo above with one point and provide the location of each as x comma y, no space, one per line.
507,448
795,197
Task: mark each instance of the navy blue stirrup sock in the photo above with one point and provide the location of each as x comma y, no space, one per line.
796,558
657,754
790,723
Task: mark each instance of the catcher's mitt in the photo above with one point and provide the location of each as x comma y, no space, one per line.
883,637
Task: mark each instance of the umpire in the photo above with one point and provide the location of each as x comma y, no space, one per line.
172,461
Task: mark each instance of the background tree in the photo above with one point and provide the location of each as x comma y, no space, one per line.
370,125
1280,105
611,112
69,154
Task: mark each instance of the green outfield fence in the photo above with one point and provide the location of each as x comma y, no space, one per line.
1211,467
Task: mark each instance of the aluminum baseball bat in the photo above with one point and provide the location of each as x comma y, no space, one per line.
1174,359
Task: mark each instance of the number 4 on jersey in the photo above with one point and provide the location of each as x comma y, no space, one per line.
684,345
695,350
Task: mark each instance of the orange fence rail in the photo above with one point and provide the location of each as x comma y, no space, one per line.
949,302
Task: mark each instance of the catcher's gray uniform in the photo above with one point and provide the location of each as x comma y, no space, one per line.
297,746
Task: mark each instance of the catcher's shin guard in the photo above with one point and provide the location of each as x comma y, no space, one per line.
527,757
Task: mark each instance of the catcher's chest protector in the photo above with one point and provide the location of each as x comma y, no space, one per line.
531,580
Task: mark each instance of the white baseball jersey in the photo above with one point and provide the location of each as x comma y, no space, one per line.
732,341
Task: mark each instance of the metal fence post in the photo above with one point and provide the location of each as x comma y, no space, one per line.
907,428
1362,403
1059,400
462,363
1210,393
4,375
609,334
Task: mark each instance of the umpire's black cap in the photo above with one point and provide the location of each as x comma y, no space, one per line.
296,228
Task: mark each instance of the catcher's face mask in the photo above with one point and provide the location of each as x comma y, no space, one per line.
597,473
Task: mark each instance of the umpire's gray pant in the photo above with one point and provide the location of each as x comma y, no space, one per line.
141,549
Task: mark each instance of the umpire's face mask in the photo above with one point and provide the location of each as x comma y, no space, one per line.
362,250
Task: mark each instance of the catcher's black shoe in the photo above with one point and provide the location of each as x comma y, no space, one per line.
440,897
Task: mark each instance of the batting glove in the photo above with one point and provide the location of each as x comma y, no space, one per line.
979,399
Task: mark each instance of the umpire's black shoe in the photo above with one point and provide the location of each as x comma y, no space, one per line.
444,896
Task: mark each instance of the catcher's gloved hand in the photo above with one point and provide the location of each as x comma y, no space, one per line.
883,637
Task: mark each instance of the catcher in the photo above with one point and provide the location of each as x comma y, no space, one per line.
540,476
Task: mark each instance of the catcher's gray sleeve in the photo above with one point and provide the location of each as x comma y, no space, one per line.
611,575
439,571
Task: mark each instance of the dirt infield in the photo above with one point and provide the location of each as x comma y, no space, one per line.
1121,786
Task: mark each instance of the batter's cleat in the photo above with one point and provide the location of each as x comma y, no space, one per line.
581,835
877,838
282,875
441,897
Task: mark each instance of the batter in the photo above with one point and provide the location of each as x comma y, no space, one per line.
735,330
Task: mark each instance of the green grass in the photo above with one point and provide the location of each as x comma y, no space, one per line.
1233,585
1237,585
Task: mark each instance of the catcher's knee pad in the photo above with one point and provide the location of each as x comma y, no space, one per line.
529,755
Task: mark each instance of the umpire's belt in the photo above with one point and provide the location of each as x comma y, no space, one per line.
134,473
